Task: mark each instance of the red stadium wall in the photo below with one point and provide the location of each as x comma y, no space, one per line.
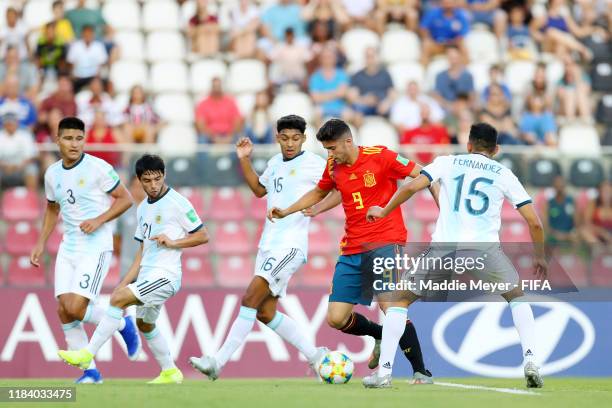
194,322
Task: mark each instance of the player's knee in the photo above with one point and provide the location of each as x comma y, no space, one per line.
336,320
144,326
265,316
249,301
118,298
73,311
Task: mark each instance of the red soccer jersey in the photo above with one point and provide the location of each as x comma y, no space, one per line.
371,180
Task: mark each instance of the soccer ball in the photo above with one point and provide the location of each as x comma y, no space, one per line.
336,368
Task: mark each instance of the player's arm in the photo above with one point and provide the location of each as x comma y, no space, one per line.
49,222
244,148
401,195
192,239
434,188
331,200
122,201
132,273
309,199
536,230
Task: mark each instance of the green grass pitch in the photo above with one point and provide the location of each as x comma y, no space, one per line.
283,393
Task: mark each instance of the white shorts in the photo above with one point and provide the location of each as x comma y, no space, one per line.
277,266
152,291
81,273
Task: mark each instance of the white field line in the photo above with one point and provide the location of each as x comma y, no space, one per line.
482,387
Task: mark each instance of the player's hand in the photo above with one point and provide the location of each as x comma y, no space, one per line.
35,255
540,267
244,147
90,226
276,212
163,240
374,213
310,212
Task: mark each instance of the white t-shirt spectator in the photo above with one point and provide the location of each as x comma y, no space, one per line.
240,20
15,37
17,148
87,59
87,110
406,112
358,8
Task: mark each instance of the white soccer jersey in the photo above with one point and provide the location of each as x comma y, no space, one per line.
172,215
82,192
472,191
285,182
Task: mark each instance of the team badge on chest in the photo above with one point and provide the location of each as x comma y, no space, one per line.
368,179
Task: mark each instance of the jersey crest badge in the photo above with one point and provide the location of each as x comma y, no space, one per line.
292,172
81,182
368,179
158,219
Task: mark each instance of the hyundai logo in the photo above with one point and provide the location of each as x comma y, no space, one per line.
485,335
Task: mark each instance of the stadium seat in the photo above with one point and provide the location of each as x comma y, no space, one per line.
126,74
177,140
317,272
202,72
599,47
131,44
35,13
554,71
160,15
354,43
518,75
235,271
601,272
121,14
586,173
232,238
55,239
258,208
603,113
433,69
509,213
404,72
480,73
21,238
482,47
579,140
516,231
220,169
607,139
245,102
226,204
174,108
542,172
22,273
425,208
512,162
400,46
247,75
169,77
113,277
572,271
165,46
182,171
20,204
377,131
197,271
601,77
296,103
320,241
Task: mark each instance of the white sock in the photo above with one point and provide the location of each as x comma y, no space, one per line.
288,329
241,327
522,315
76,337
160,349
109,324
394,325
130,311
95,313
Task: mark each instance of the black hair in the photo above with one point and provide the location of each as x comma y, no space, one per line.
149,163
333,129
70,122
88,27
291,122
57,3
483,137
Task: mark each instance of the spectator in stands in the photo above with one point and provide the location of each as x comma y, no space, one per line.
560,215
537,125
17,155
597,227
322,39
496,77
203,30
141,121
557,31
61,100
359,13
101,133
244,18
406,110
87,56
259,124
371,89
13,102
51,53
23,70
539,86
461,131
442,27
573,92
405,12
328,88
329,12
279,17
497,113
488,12
217,117
451,116
63,27
454,81
289,60
14,34
428,133
519,37
81,17
94,99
